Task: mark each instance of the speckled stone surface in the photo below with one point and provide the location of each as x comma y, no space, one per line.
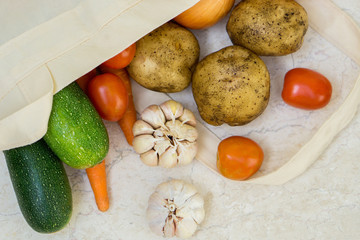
323,203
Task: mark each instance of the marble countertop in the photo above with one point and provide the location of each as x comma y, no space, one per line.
322,203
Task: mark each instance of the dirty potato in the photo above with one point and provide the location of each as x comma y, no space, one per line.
267,27
231,86
165,59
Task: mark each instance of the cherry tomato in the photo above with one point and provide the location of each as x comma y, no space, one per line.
108,94
238,158
122,59
306,89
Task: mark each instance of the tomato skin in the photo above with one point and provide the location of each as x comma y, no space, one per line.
109,96
239,158
84,80
306,89
122,59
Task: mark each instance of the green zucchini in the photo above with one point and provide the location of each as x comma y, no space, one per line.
41,186
76,132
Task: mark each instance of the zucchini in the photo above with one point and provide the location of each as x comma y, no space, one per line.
76,132
41,186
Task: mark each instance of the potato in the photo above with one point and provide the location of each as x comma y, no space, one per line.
231,86
165,59
267,27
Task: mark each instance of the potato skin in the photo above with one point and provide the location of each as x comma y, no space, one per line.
231,86
268,27
165,59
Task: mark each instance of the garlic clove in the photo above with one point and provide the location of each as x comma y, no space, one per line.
194,208
141,127
158,133
169,158
198,214
156,219
156,223
157,201
156,213
185,228
172,109
165,191
182,131
186,152
169,228
177,187
154,116
161,145
150,158
143,143
183,197
188,117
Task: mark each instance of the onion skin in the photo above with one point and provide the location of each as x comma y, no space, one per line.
205,13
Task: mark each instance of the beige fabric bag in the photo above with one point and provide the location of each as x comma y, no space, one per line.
58,47
39,62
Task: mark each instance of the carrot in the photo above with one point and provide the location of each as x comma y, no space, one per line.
126,123
97,179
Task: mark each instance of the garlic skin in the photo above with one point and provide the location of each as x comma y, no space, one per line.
143,143
175,209
154,116
141,127
172,109
166,135
188,117
150,158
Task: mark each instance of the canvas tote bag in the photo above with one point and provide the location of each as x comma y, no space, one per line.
47,44
41,58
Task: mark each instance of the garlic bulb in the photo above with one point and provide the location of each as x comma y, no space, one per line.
166,135
175,209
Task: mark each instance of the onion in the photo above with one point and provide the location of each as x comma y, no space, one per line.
205,13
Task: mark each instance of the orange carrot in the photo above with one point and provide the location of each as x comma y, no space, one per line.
97,179
127,121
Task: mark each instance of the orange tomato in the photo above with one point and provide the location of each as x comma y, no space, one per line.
306,89
205,13
123,59
238,158
109,96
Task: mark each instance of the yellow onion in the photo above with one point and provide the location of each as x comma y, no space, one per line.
205,13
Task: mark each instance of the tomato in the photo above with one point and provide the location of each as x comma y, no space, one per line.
85,79
109,96
205,13
239,158
122,59
306,89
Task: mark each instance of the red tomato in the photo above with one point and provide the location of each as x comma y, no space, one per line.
306,89
85,79
108,94
238,158
122,59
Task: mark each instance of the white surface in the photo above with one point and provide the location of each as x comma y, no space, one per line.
323,203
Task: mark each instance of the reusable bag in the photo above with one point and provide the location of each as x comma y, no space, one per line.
40,61
47,44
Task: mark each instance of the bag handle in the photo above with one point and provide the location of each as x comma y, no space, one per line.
321,13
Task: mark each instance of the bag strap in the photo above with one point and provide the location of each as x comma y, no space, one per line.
344,34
